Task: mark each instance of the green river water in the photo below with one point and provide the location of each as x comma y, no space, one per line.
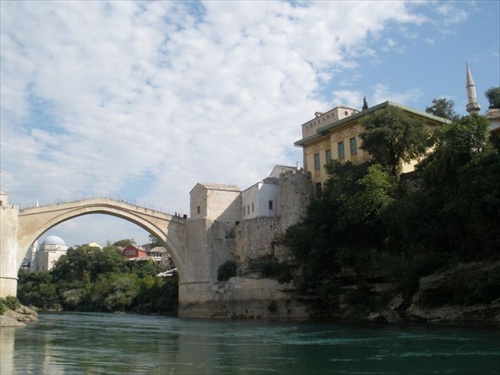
91,343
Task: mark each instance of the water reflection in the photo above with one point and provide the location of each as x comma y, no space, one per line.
7,350
127,344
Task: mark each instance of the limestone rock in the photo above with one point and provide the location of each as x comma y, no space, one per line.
7,321
427,304
19,317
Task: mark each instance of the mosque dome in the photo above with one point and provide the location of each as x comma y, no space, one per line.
54,240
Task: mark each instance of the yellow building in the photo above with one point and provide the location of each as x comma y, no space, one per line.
336,135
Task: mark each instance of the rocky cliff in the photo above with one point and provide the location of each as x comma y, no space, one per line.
464,293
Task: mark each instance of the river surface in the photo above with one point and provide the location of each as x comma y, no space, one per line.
91,343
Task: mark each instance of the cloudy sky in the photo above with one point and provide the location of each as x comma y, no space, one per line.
141,100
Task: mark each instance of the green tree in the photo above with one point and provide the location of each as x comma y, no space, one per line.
37,289
353,200
124,289
155,242
90,279
442,108
493,96
453,214
365,104
393,137
456,145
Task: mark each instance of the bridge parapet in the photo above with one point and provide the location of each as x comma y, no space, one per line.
102,199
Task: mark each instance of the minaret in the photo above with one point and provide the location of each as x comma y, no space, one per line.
472,104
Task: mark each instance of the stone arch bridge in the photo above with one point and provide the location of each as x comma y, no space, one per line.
198,245
170,229
20,228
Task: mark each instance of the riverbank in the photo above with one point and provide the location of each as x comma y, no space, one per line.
20,317
465,293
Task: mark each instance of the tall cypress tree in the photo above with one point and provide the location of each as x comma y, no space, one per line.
365,104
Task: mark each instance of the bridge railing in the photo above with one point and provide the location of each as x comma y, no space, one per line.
77,200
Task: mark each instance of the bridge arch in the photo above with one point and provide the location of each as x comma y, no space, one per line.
169,229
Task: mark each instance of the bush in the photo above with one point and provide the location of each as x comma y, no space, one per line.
268,266
10,303
226,271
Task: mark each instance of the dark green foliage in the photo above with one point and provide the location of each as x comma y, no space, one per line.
393,137
446,212
226,271
10,303
37,289
269,267
365,104
90,279
493,96
273,307
343,227
442,108
466,285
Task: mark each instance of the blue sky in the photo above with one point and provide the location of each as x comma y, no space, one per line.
142,100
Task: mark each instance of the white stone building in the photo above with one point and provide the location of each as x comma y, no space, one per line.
261,199
50,250
216,202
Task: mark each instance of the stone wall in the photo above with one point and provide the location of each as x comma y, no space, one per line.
8,250
255,238
216,202
243,298
201,295
295,192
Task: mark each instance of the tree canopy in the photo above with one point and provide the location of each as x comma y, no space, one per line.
493,96
91,279
442,108
392,137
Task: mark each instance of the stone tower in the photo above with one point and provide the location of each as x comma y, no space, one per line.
294,197
472,105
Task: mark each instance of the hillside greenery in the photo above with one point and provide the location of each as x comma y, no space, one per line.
399,228
91,279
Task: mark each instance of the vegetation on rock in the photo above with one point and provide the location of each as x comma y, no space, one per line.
374,225
269,267
10,303
226,270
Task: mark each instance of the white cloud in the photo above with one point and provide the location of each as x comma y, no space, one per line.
450,13
382,93
351,98
171,93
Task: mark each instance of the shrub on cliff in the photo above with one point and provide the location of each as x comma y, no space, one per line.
269,267
226,271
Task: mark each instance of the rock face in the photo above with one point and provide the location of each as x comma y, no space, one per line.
465,293
468,292
18,317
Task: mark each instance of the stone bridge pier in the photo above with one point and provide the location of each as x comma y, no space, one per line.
8,247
